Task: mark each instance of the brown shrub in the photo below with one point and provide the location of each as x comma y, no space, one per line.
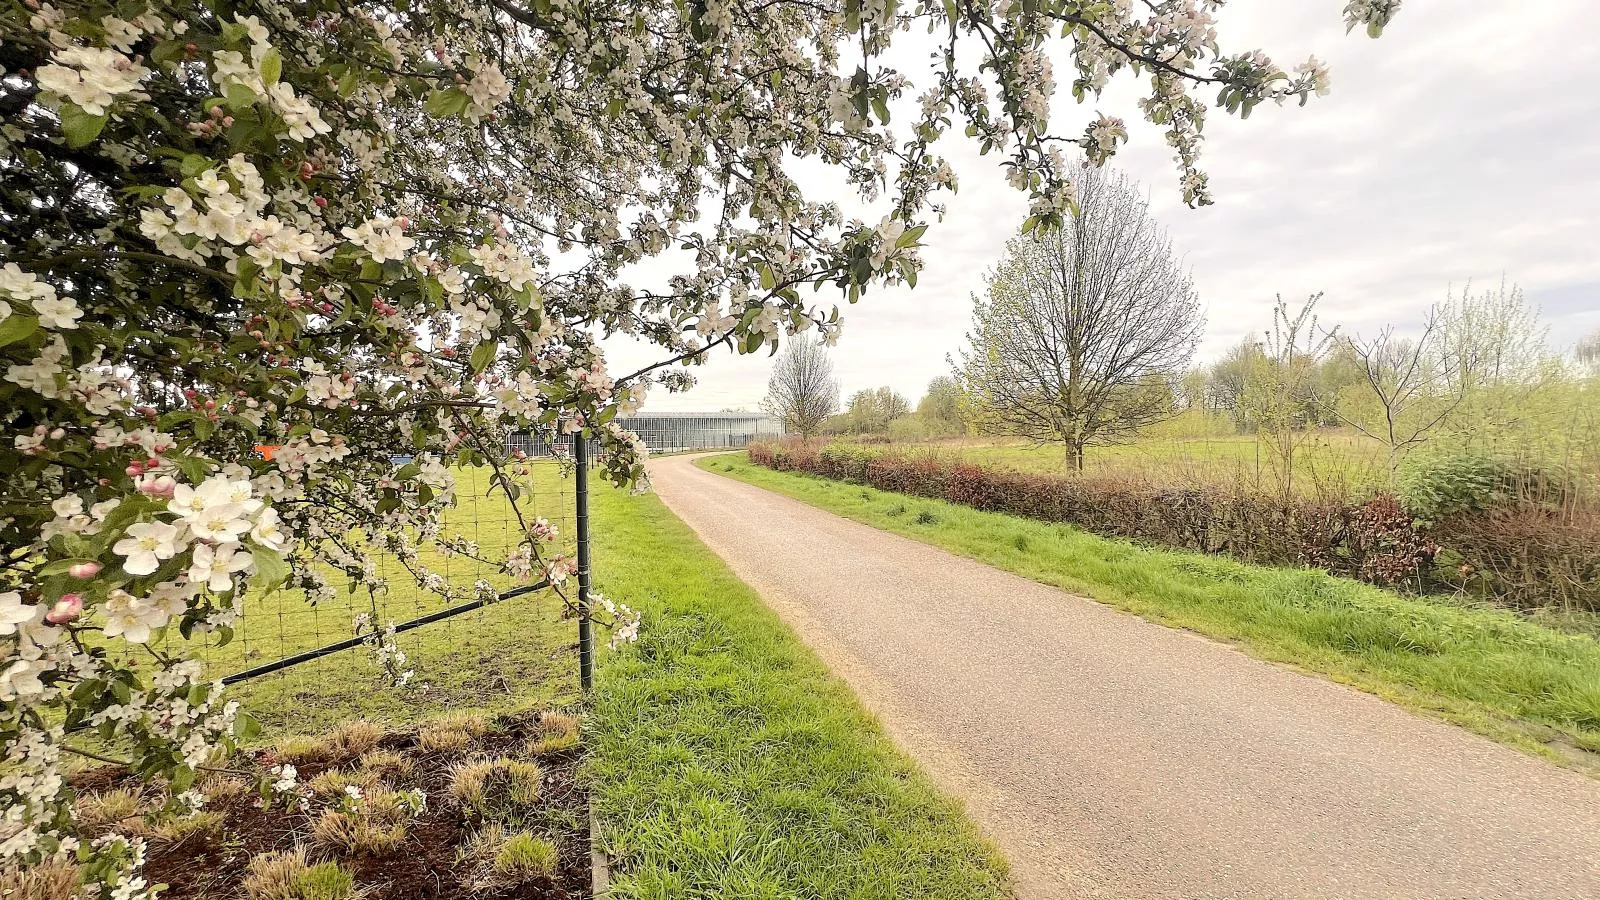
1529,555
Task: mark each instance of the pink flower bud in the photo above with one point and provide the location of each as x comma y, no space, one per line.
65,610
84,570
134,470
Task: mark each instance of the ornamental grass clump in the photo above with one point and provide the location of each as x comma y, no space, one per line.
524,856
496,789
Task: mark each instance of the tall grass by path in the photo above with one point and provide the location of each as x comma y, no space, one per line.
1489,670
727,762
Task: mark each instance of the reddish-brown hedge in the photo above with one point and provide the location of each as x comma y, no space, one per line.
1369,541
1526,556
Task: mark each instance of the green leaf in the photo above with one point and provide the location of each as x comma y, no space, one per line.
15,328
483,355
240,97
880,106
245,727
271,66
193,165
271,570
78,127
447,102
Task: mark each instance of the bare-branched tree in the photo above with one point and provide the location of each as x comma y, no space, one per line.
1279,380
1083,328
802,391
1414,385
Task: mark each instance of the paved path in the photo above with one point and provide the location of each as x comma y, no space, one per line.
1111,757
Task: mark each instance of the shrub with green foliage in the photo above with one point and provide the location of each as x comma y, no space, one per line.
1435,485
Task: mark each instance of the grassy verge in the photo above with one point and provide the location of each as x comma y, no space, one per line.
1489,670
727,762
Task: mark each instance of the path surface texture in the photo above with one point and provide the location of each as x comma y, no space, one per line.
1112,757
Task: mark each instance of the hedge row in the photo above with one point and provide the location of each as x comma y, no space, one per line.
1551,562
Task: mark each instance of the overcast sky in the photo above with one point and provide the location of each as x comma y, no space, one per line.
1463,144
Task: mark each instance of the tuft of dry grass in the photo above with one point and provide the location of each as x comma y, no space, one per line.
108,808
52,880
221,788
202,828
443,740
271,876
352,739
345,743
375,824
387,763
558,731
325,881
301,750
493,788
333,782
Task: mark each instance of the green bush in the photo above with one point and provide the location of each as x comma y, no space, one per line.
1435,485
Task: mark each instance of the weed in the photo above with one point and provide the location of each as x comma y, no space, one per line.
272,876
498,788
51,880
524,856
108,808
324,881
925,517
374,824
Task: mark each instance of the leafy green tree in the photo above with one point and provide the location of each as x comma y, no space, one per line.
943,408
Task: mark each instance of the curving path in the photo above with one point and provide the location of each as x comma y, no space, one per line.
1111,757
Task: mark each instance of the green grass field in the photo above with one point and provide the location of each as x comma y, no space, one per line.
1503,676
1332,461
724,760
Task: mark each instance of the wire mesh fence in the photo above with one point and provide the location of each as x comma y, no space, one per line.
301,664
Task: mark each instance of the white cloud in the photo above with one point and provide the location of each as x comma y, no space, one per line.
1462,145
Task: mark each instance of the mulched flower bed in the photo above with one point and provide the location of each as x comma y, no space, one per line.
501,817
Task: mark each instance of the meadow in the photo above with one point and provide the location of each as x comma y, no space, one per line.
1335,461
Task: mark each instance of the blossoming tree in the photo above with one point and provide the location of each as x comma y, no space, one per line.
366,230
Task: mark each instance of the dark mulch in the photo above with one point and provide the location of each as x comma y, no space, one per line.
423,867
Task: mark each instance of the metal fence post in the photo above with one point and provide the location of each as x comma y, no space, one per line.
580,454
